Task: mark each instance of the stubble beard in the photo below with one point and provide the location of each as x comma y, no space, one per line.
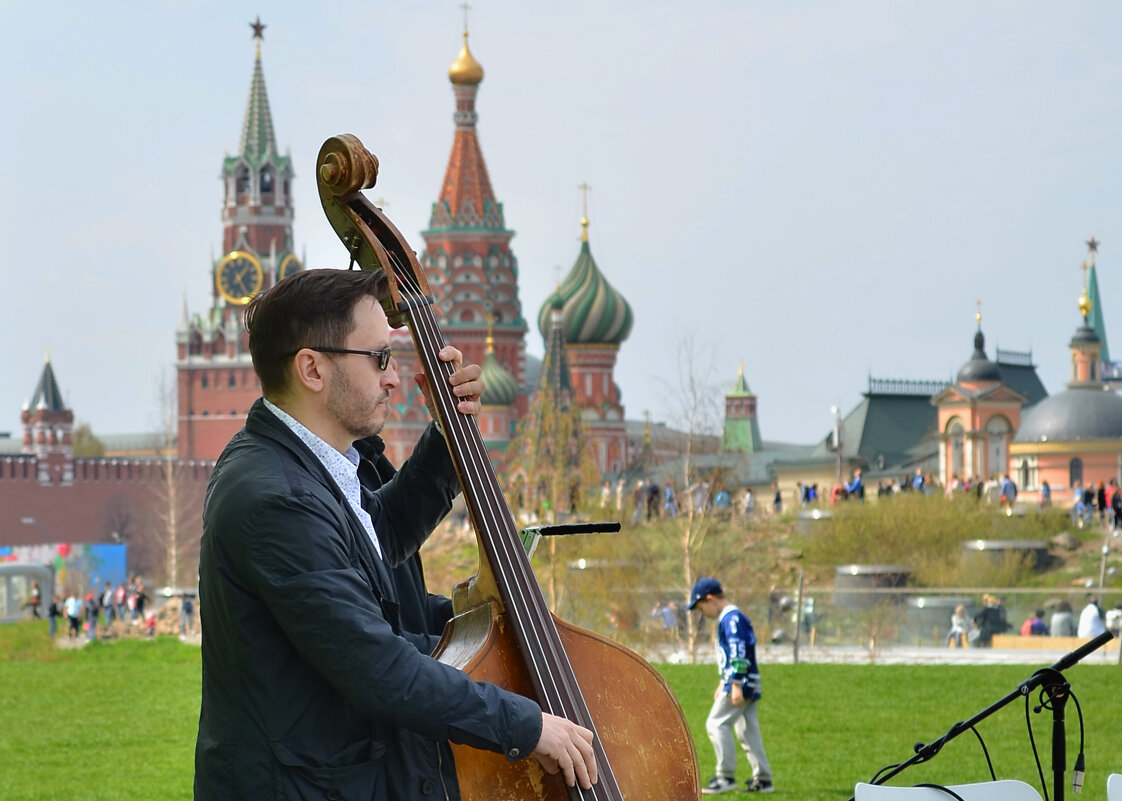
353,409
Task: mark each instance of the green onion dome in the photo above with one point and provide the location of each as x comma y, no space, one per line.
594,312
499,386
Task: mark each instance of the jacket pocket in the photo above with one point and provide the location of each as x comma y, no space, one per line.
355,772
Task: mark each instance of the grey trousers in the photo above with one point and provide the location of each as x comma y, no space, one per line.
724,720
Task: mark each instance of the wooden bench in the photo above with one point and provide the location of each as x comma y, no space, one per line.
1016,641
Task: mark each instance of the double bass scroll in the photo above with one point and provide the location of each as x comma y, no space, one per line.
503,630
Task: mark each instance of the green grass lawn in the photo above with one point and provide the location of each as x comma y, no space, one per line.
118,721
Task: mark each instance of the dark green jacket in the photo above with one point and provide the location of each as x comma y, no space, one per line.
309,688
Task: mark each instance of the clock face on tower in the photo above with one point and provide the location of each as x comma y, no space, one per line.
289,265
239,277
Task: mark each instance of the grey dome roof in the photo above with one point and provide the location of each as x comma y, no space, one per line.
1085,335
979,368
1075,414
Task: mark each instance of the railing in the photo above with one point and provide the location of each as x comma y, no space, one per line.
831,618
1020,358
895,386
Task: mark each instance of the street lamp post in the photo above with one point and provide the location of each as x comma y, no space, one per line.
31,521
836,411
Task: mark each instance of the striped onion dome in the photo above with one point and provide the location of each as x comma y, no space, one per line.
594,312
499,386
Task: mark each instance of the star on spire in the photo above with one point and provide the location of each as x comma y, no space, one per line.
1093,245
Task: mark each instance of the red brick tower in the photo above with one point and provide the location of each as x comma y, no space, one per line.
47,429
471,270
216,382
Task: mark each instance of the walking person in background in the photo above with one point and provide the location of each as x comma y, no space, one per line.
654,498
1008,492
670,503
93,608
736,699
73,608
120,600
54,612
777,499
35,600
107,604
142,599
639,498
186,616
748,502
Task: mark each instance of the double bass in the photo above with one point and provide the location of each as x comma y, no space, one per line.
503,630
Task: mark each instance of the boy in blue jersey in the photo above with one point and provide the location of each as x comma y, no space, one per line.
735,700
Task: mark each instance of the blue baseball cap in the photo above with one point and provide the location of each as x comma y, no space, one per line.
703,588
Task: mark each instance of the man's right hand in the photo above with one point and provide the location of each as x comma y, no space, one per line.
566,747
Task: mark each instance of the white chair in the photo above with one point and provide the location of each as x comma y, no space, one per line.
1114,787
1001,790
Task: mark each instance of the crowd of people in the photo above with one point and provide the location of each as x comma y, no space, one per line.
978,631
1103,500
127,603
648,500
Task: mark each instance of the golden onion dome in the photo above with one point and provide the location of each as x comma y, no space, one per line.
465,70
1084,305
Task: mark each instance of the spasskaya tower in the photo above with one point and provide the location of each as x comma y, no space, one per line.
215,379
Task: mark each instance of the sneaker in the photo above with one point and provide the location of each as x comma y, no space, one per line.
719,784
757,786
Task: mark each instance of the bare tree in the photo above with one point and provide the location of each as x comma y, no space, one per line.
177,501
694,402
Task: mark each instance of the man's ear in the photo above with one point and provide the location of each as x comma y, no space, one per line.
308,369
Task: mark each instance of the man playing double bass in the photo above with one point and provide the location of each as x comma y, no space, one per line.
316,678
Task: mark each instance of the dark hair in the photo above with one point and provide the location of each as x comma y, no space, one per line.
308,308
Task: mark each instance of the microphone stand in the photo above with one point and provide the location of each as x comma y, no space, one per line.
1052,682
531,535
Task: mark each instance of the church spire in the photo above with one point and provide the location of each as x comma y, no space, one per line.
470,266
257,211
1095,314
466,197
258,140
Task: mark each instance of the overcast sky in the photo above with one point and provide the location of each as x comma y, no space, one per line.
820,190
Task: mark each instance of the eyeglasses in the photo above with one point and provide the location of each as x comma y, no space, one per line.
382,356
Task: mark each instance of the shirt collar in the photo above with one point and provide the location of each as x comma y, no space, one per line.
329,456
